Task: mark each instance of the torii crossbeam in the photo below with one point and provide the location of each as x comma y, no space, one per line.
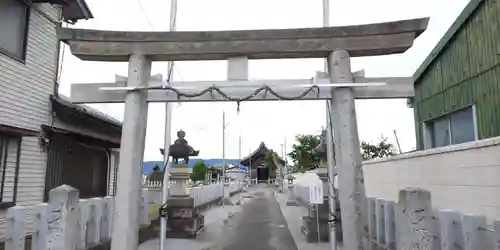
392,87
335,43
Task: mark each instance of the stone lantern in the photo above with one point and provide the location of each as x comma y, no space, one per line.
184,219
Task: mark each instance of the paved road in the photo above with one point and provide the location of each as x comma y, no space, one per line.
259,226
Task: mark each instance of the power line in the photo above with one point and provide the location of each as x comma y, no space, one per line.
145,14
179,73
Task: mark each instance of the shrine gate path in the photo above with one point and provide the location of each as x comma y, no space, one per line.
259,225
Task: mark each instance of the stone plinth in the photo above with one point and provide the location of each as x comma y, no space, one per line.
309,223
184,220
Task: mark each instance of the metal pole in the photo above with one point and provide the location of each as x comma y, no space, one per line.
166,177
239,147
284,152
285,168
397,142
250,165
329,146
317,223
223,155
168,132
282,168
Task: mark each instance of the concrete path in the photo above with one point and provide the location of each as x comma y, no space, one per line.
259,226
258,220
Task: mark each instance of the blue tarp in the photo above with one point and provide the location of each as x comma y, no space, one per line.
148,165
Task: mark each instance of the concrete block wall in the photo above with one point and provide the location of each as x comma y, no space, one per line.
463,177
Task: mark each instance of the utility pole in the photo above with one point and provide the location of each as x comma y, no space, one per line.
239,148
282,167
397,142
168,132
224,125
250,165
223,155
329,146
284,156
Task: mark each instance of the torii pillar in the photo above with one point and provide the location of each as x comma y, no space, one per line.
347,153
128,195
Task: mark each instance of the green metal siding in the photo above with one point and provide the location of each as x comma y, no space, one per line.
466,72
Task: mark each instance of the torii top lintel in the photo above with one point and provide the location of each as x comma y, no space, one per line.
358,40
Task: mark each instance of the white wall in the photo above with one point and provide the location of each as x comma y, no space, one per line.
463,177
238,175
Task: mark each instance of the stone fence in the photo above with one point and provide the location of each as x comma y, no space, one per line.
201,194
411,223
67,222
204,194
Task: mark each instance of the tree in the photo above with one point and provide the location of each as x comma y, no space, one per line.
303,156
378,150
199,171
269,159
156,175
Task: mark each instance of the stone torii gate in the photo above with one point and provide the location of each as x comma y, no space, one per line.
341,87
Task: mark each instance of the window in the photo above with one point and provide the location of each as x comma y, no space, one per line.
453,128
13,28
10,150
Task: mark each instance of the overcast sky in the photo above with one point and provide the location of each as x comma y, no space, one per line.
268,122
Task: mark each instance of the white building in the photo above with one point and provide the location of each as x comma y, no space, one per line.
46,141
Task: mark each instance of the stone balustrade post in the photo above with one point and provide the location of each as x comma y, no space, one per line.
380,217
372,223
63,218
476,232
390,224
496,228
96,212
416,227
143,214
83,223
450,225
41,227
107,219
15,228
